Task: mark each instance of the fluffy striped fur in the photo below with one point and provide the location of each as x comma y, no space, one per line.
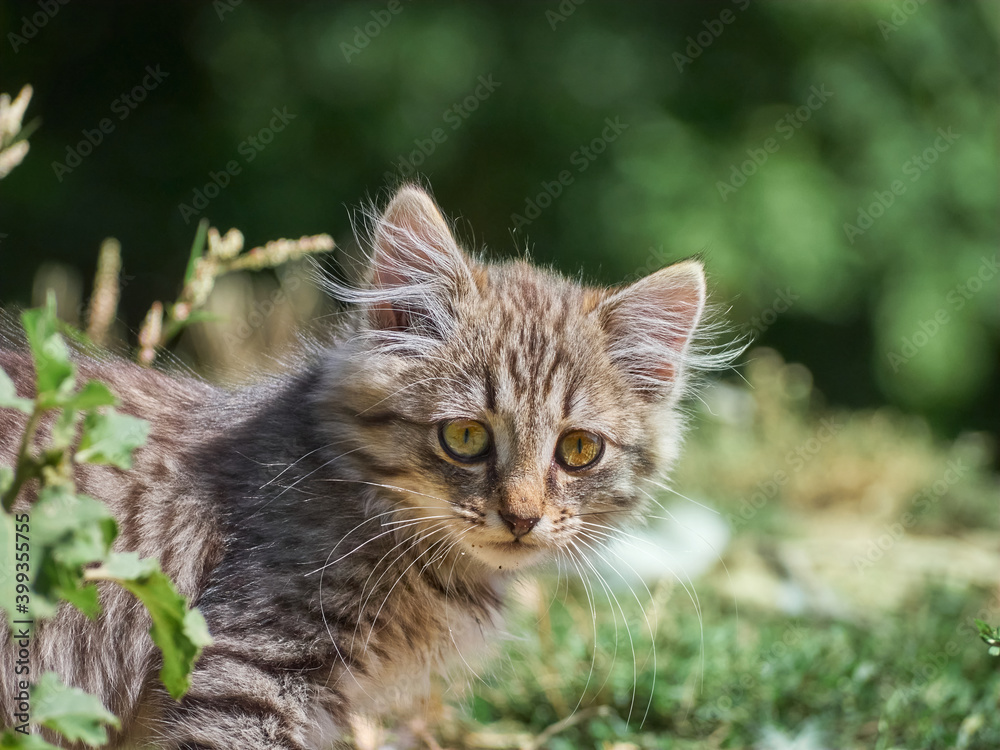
342,558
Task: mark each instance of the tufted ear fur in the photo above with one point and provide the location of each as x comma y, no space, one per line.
650,324
417,268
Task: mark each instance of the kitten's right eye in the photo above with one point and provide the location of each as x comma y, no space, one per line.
464,439
579,449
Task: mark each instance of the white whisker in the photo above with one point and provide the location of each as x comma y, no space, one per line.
409,542
628,632
408,386
593,617
301,479
447,615
582,558
671,489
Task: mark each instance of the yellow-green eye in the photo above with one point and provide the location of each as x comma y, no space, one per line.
465,439
579,448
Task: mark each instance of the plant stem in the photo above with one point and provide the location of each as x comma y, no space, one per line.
27,467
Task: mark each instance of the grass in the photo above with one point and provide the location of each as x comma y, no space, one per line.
877,647
917,678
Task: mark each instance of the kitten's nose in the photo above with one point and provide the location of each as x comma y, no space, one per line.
518,526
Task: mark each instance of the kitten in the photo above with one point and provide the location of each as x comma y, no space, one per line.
348,530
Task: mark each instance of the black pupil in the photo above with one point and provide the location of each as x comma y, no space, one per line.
466,439
579,445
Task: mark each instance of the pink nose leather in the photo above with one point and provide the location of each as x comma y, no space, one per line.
518,526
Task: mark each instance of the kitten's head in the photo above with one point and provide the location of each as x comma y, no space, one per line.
516,412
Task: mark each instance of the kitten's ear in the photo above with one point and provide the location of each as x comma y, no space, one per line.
650,324
416,259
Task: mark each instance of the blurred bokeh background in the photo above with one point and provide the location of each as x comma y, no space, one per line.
834,162
758,134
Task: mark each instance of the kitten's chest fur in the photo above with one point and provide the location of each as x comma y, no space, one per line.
317,573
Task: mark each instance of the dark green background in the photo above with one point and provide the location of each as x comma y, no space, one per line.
898,72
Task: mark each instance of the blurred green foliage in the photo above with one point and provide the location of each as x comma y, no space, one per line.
757,133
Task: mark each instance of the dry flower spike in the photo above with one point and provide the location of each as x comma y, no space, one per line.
222,256
12,150
104,300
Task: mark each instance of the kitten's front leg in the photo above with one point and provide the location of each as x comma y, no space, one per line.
238,700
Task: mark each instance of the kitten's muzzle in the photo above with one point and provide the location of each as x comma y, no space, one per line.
518,525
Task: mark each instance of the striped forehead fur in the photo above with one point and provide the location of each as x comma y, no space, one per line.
418,248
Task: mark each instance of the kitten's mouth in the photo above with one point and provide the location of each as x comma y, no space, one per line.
508,554
515,545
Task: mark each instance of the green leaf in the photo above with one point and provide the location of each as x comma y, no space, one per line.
76,715
127,566
180,633
64,429
986,630
66,583
9,397
67,532
93,394
78,337
195,316
203,316
11,740
79,528
110,437
197,249
54,372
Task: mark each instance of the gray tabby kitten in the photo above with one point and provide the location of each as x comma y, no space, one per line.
348,530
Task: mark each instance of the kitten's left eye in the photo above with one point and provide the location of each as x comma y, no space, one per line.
579,449
465,439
